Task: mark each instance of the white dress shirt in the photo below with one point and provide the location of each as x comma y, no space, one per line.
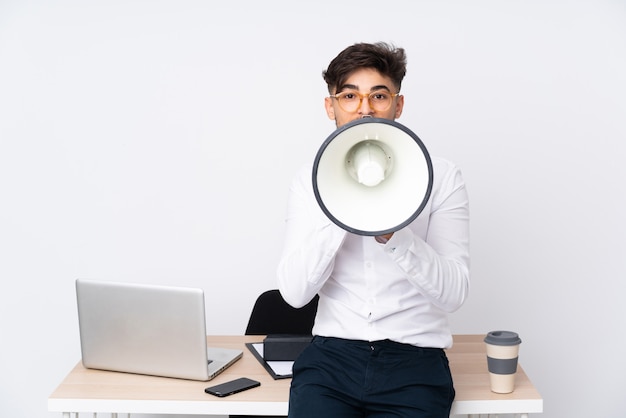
401,290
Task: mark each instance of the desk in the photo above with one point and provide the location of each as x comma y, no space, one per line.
85,390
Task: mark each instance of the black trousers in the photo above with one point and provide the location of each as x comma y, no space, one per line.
345,378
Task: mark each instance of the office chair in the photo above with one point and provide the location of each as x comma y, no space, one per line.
272,315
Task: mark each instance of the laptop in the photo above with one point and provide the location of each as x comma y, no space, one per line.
147,329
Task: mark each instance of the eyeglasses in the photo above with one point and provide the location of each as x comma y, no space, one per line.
351,101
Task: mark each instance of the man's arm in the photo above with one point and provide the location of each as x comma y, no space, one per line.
438,264
311,242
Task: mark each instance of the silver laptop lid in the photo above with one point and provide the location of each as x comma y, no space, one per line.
145,329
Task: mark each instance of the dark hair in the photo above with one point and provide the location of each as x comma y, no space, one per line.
384,58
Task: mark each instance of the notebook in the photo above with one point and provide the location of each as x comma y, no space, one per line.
147,329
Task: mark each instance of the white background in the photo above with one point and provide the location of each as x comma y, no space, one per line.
154,141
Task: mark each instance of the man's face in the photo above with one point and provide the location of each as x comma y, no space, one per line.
364,82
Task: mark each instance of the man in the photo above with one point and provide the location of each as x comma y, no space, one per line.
381,324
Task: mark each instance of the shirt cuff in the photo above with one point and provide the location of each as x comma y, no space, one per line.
399,242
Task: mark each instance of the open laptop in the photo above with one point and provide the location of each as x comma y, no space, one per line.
147,329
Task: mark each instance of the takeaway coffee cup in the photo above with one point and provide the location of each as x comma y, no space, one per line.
502,354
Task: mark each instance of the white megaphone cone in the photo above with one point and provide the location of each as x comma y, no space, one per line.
369,163
372,176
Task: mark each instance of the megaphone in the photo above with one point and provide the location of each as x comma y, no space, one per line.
372,176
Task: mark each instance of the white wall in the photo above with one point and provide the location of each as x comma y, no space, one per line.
154,141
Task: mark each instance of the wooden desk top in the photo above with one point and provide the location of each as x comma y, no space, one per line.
86,390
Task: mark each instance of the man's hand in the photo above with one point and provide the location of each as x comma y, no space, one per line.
382,239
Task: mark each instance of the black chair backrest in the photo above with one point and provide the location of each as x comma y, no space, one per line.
272,315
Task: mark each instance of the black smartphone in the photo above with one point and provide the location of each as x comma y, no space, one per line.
234,386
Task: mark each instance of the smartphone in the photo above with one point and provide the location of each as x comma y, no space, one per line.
234,386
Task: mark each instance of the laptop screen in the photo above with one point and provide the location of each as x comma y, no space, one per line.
146,329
